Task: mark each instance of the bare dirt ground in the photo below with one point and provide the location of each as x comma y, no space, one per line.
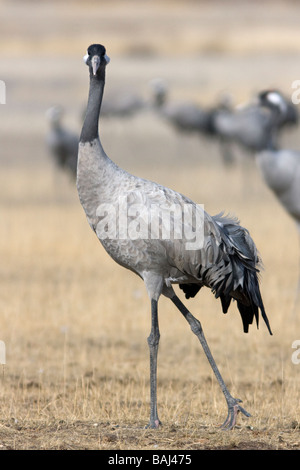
75,324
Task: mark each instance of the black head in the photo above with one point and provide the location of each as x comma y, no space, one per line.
96,58
274,100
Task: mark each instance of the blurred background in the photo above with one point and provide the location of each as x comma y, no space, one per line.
202,49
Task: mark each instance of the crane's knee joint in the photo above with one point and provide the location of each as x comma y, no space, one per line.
153,339
196,327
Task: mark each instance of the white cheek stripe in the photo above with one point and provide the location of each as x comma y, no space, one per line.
86,56
275,98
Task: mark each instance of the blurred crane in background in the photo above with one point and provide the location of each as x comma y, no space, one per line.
190,118
280,168
62,143
251,126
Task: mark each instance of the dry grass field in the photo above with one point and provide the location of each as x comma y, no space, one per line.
74,323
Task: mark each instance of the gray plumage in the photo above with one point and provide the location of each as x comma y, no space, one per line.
190,118
183,116
281,172
187,117
61,142
226,260
251,126
280,168
122,105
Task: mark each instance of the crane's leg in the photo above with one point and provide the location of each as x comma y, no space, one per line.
226,152
153,341
232,403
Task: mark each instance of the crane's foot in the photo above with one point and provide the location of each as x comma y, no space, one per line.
233,409
154,424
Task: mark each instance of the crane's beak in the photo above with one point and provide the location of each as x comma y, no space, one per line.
95,63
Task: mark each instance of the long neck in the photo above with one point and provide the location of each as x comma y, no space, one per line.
272,142
95,171
90,126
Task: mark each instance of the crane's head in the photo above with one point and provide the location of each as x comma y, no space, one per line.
54,115
285,109
273,99
96,58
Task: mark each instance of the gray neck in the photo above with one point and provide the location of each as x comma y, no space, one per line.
271,142
272,135
90,126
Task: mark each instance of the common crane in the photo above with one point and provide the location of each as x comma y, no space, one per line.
122,105
61,142
280,168
215,252
188,117
250,126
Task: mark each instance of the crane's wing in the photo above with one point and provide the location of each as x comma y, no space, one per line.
165,232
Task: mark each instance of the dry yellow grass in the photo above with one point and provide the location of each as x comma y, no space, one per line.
74,323
75,328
